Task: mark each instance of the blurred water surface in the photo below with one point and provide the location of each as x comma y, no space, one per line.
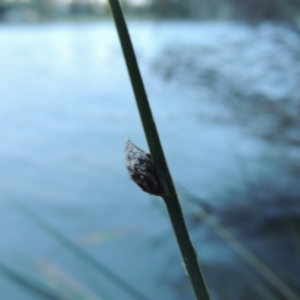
66,107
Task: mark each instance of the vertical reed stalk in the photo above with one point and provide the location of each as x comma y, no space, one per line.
170,197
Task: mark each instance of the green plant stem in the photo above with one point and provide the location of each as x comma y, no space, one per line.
187,250
170,197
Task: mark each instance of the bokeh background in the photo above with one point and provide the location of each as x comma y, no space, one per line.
223,80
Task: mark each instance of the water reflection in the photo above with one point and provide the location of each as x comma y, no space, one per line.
66,107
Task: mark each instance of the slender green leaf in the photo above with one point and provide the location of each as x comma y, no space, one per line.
94,263
271,277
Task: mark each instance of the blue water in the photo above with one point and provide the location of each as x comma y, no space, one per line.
66,107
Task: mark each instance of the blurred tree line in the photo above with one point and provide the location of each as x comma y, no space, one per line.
23,10
249,10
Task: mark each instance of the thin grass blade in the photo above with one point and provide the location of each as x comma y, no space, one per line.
92,262
30,284
271,277
170,196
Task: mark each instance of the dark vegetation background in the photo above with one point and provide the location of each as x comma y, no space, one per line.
250,10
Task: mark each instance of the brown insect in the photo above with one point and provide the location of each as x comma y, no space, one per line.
141,169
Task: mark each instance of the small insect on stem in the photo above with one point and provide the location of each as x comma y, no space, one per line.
141,169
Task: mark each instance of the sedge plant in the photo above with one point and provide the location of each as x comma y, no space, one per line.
168,192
